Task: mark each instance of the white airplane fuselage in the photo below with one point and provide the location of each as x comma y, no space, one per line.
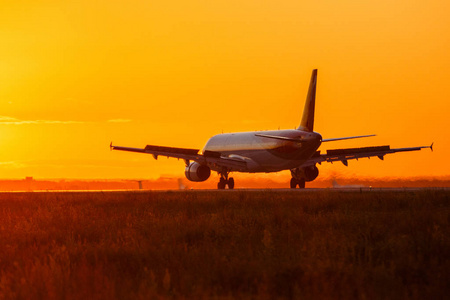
264,154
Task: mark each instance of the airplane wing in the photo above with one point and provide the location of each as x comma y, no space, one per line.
213,159
343,155
348,138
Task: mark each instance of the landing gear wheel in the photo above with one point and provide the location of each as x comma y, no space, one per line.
221,185
293,183
301,183
231,183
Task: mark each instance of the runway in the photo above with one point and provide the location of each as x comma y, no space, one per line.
249,191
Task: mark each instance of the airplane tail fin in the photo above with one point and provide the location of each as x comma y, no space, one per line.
307,123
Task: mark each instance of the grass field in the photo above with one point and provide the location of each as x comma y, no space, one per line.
239,244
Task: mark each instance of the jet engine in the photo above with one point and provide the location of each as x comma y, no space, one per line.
197,172
311,173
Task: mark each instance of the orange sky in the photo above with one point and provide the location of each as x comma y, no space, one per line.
74,76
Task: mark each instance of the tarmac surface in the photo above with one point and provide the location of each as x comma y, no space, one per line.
306,190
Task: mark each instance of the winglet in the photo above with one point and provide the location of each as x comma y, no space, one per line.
111,146
431,147
307,123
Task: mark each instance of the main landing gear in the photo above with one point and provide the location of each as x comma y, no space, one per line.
224,181
299,182
297,179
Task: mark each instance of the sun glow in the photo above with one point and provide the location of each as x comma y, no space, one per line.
75,76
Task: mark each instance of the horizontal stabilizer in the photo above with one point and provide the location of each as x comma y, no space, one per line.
277,137
347,138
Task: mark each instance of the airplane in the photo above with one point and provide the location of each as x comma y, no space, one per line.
267,151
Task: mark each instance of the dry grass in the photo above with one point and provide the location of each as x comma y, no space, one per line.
309,245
